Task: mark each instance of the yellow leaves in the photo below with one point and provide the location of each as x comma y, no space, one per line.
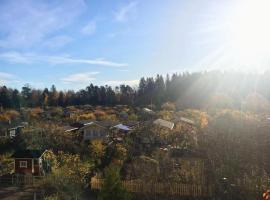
108,117
87,116
70,164
121,151
35,112
166,115
9,115
200,118
97,149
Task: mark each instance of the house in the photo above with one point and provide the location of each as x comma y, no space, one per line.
119,131
14,131
10,131
164,124
69,113
29,162
96,129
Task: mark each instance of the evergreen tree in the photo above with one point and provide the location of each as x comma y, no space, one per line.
112,188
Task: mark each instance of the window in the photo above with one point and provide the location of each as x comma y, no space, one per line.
23,164
12,133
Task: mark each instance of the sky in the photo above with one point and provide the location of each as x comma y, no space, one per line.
72,43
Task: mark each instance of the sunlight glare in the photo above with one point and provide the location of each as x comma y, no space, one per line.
250,30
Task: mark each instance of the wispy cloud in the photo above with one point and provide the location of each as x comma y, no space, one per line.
29,23
30,58
6,78
89,28
126,12
126,82
85,77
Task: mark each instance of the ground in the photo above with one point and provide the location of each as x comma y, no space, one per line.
17,193
27,193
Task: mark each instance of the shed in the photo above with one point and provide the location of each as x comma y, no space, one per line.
164,123
28,162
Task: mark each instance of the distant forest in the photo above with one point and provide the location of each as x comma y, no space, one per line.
187,90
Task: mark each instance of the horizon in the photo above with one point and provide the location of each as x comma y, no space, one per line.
73,43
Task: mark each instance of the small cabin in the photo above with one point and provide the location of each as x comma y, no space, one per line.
11,131
164,124
28,162
96,130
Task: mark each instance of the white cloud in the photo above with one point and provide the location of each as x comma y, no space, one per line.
126,82
25,24
89,28
126,12
85,77
6,78
29,58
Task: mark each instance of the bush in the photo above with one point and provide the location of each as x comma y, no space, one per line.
168,106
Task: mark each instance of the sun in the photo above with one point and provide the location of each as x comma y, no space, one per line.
243,29
250,26
249,31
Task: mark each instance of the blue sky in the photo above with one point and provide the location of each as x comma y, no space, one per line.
71,43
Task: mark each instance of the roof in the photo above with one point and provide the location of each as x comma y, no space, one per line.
85,122
28,154
82,123
122,127
69,128
148,110
164,123
189,121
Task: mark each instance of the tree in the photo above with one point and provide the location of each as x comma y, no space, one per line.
26,95
16,100
112,188
5,100
97,151
53,96
61,99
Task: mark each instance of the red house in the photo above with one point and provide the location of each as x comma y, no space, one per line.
28,162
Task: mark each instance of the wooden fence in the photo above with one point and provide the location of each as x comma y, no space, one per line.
15,179
161,188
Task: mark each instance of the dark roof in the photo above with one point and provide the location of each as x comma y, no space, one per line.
28,154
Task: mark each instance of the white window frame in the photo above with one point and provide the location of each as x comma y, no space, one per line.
23,164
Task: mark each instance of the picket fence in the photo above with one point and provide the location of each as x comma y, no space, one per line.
161,188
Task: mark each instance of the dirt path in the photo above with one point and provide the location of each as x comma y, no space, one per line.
16,193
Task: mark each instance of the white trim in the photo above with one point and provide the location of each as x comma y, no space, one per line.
23,164
33,169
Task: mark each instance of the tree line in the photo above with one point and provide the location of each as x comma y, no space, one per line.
188,90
